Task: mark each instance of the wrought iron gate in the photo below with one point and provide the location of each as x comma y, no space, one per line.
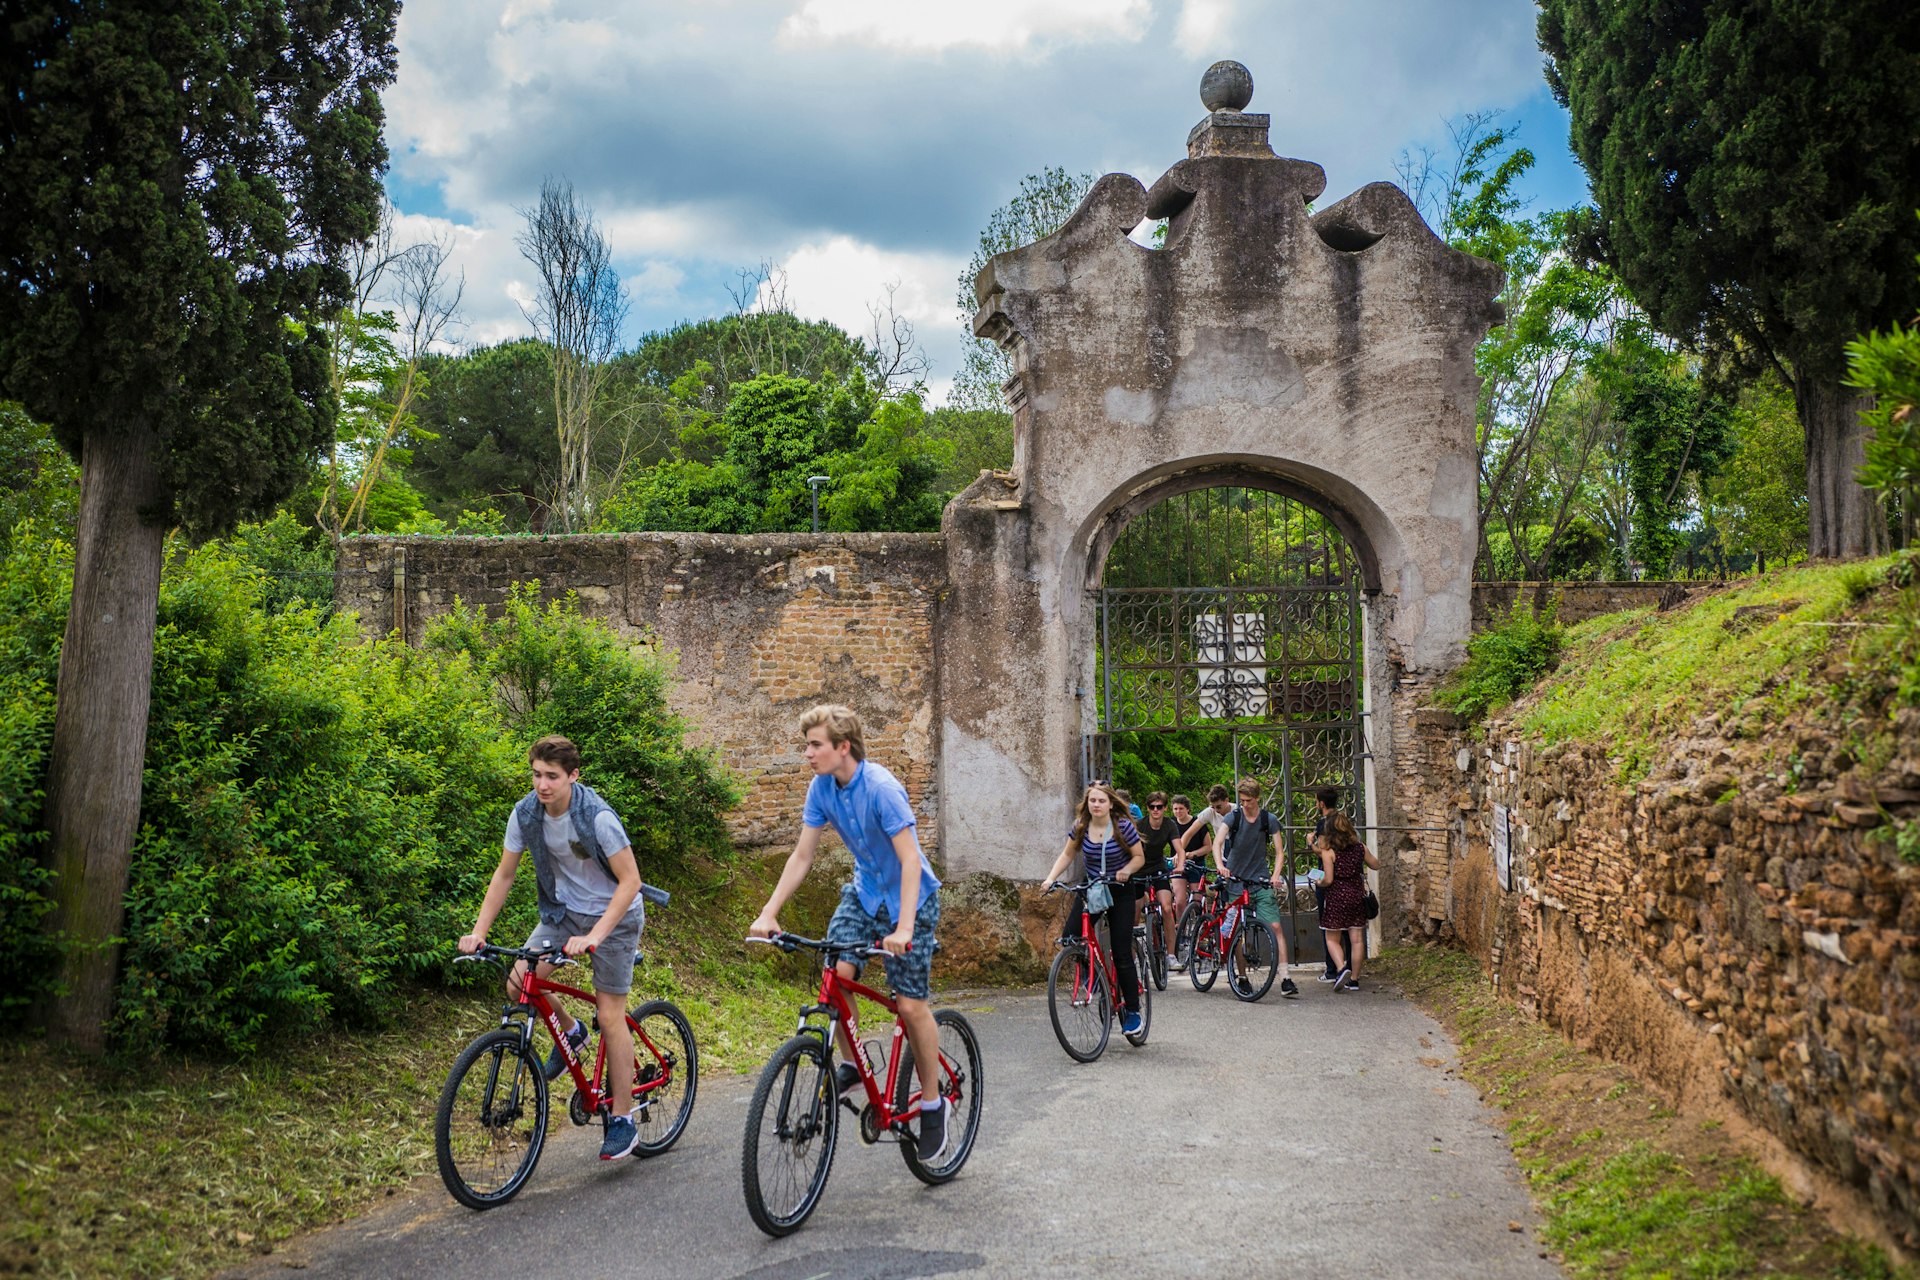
1232,616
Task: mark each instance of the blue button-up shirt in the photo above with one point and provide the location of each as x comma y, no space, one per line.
867,814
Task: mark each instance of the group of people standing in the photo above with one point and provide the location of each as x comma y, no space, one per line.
1163,850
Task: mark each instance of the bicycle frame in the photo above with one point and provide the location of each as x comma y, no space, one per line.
1211,916
1090,935
834,1004
533,1001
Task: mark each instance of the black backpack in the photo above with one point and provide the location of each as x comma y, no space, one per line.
1236,820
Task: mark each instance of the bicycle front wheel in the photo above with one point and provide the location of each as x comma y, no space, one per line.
1139,1037
492,1121
1251,969
1203,964
960,1084
1157,948
666,1071
793,1123
1079,1004
1186,931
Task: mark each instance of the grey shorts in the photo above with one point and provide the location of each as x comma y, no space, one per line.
854,926
613,960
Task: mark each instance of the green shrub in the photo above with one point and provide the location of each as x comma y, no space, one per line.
1505,660
557,672
36,579
318,820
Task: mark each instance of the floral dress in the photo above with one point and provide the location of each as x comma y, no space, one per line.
1347,892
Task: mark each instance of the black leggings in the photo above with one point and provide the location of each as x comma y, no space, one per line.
1119,939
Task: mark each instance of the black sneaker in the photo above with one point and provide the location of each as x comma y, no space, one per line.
1348,985
846,1079
933,1134
1342,978
556,1062
1288,990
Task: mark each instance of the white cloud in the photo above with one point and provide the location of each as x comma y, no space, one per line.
933,25
1204,28
657,282
839,278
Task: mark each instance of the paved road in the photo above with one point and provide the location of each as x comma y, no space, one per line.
1322,1137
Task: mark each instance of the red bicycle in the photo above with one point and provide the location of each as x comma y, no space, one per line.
1219,931
492,1121
793,1122
1083,987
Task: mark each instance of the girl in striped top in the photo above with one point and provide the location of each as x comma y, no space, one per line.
1106,841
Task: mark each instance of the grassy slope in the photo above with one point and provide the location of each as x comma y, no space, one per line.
1628,1188
1628,681
179,1168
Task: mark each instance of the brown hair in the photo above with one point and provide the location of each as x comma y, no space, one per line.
555,750
1340,834
1180,797
1156,797
1218,792
1250,787
841,724
1082,819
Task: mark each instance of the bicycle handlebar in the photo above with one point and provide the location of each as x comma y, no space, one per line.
554,956
1084,885
791,942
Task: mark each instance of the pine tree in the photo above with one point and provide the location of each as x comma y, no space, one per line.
1756,167
179,182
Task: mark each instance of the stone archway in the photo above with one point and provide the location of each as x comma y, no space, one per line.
1328,352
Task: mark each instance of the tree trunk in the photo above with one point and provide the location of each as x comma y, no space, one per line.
1844,520
100,724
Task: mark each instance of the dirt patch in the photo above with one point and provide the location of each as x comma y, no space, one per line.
1631,1183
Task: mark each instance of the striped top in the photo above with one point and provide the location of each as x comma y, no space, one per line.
1105,858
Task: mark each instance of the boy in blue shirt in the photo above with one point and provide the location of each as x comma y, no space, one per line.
868,809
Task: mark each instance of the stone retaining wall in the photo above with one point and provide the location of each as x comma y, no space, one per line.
1731,940
763,627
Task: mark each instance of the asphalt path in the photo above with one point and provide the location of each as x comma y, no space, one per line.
1324,1136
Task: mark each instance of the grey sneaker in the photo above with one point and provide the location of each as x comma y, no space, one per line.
1326,976
556,1062
933,1134
1288,990
623,1135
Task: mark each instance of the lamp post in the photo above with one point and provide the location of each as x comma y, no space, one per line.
814,485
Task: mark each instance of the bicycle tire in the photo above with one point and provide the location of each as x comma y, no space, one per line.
960,1085
1186,932
497,1138
1157,949
670,1105
1090,1015
1139,1037
1253,948
807,1112
1203,966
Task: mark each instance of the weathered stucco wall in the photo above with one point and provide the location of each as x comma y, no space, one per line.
763,627
1731,941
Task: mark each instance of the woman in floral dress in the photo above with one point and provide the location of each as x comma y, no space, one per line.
1344,919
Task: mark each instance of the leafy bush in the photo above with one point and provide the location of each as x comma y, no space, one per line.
36,579
318,820
1505,660
556,672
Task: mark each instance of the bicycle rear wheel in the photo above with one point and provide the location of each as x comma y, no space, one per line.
1254,963
1157,948
1186,931
960,1083
1204,965
492,1120
1079,1004
793,1123
666,1065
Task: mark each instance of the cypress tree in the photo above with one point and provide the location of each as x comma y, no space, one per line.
1756,167
179,182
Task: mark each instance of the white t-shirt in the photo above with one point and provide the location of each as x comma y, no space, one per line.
577,878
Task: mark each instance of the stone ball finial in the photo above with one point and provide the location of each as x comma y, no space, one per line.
1227,86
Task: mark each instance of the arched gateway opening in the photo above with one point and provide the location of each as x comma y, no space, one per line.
1228,641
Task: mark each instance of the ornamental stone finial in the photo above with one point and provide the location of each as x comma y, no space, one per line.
1226,86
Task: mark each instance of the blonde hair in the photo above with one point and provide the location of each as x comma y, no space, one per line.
842,726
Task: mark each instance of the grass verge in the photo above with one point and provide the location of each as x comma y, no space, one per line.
184,1166
1629,1188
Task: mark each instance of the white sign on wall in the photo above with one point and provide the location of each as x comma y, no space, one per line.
1503,846
1231,651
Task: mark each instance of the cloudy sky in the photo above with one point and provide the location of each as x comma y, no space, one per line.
861,142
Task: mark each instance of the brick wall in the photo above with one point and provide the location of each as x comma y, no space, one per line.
1731,939
762,628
